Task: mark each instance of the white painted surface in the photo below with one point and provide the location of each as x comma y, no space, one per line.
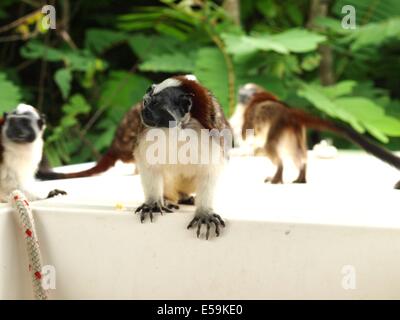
281,242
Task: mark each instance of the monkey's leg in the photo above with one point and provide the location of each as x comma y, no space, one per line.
152,182
186,199
302,175
397,186
204,213
301,155
271,149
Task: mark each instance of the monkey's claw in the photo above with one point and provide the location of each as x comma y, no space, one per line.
150,208
207,219
55,192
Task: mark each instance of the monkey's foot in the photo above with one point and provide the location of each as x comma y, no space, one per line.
150,208
207,219
300,180
273,180
189,201
55,192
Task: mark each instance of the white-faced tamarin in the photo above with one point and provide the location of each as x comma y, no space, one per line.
278,128
21,146
183,103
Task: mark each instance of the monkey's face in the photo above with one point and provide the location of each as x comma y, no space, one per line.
247,91
167,107
23,125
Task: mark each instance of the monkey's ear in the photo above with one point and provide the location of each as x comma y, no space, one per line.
186,101
42,120
150,89
5,114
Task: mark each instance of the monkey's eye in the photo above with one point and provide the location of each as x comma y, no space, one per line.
146,100
185,103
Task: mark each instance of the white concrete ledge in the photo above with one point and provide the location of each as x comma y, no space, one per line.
281,242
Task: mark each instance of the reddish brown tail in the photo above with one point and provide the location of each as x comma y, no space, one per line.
106,162
346,131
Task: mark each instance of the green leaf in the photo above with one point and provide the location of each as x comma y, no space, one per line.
211,71
172,62
360,112
10,94
295,40
121,91
63,78
99,40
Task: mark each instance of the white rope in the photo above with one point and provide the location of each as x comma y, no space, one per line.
26,223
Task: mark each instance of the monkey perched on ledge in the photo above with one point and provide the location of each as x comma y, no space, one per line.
276,127
191,108
21,147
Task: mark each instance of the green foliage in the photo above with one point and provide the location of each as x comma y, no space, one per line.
120,92
85,77
211,69
362,113
10,94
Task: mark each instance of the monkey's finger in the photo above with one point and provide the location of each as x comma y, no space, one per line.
219,219
151,216
142,217
216,223
198,229
208,230
193,222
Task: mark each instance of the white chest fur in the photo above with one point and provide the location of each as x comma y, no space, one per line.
20,162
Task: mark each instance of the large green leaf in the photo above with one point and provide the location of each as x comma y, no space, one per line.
295,40
121,91
211,71
10,94
360,112
170,62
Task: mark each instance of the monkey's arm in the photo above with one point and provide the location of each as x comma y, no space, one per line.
152,183
204,213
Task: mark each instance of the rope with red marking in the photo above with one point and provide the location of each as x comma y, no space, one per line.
26,223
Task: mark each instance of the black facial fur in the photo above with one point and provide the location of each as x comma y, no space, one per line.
22,128
169,105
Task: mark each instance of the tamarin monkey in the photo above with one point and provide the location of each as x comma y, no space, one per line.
120,149
21,146
183,104
278,127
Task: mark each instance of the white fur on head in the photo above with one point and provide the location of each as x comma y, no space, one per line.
22,108
167,83
191,77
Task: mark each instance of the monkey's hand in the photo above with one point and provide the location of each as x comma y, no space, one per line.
55,192
155,206
206,217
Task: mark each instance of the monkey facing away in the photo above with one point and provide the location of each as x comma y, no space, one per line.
190,109
278,129
21,147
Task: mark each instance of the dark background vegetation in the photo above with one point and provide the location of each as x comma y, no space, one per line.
97,63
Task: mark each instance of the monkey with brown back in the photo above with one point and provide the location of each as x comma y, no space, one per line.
21,146
278,127
182,104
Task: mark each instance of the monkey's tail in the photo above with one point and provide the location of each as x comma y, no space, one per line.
346,131
107,161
